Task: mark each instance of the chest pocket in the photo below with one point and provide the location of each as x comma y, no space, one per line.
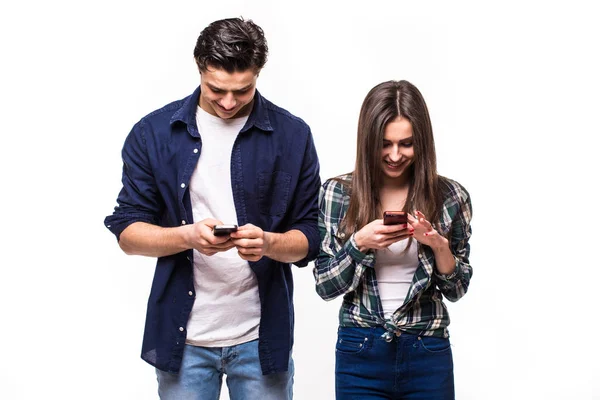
273,192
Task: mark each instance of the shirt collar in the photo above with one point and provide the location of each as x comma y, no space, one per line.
259,116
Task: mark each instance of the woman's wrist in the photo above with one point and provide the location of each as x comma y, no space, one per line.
444,259
440,244
359,243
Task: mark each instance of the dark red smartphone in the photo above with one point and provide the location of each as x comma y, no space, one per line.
394,217
222,230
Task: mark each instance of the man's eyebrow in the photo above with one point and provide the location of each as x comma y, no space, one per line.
244,88
213,87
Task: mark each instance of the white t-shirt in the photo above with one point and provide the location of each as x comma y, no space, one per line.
394,271
226,311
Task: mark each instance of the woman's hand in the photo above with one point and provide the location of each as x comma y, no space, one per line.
427,235
424,232
377,236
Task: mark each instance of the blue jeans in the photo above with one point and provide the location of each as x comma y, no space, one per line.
202,370
408,367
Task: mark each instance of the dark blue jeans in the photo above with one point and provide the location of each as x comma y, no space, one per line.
408,367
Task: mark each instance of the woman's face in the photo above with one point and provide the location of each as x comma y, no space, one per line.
397,153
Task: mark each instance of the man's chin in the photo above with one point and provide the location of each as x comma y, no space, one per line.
226,115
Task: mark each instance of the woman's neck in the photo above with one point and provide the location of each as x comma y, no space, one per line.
393,197
399,182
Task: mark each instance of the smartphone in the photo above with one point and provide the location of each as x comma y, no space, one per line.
222,230
394,217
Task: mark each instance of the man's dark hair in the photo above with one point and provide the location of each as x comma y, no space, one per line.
231,44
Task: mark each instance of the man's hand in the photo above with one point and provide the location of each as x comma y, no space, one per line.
201,238
250,242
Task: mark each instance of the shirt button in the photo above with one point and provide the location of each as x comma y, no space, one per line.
342,235
195,151
191,293
182,185
183,222
181,329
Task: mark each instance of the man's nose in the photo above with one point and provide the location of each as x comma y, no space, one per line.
228,102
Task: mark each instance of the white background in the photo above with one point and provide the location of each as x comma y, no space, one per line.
513,91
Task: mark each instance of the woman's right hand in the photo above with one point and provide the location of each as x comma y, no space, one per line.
377,236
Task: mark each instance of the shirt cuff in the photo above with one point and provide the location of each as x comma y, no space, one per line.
367,259
453,277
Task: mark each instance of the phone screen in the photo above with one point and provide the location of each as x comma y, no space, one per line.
221,230
394,217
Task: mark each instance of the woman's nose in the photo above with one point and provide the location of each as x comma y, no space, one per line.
395,154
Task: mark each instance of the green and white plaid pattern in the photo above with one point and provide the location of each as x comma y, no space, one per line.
342,269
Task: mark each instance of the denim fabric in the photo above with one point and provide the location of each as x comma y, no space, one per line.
407,367
203,368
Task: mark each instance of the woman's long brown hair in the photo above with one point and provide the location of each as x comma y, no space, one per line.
384,103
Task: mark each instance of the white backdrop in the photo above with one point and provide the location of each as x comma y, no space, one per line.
513,94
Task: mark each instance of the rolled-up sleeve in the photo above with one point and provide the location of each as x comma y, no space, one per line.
305,208
455,286
340,266
138,200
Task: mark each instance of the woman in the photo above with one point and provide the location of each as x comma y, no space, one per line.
393,337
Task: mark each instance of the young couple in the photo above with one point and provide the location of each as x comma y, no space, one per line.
223,304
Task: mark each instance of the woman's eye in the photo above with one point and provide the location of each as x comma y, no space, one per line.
386,145
407,144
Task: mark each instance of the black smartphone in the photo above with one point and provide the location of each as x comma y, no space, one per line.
394,217
222,230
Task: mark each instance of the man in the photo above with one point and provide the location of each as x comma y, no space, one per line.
221,305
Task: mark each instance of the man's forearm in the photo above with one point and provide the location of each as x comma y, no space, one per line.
287,247
141,238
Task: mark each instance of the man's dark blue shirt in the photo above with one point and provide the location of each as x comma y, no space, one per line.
275,183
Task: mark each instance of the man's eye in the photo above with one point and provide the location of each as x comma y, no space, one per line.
216,90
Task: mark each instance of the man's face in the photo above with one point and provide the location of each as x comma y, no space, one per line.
227,95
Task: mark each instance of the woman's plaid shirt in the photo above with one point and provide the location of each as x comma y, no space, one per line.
342,269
